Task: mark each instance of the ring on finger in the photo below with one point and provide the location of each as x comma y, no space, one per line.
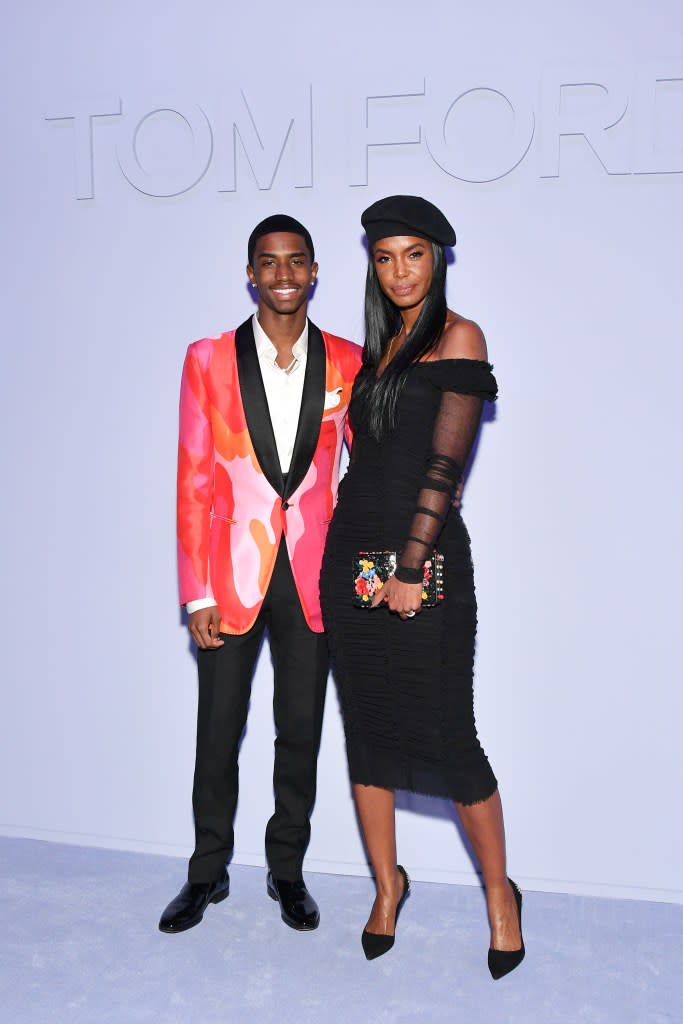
410,615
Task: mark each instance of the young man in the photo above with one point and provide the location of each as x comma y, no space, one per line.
262,418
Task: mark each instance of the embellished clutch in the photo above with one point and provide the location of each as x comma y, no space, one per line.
371,570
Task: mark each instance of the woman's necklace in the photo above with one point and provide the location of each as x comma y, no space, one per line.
391,344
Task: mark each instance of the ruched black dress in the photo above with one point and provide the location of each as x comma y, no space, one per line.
406,685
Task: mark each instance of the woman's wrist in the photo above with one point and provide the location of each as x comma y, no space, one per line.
406,575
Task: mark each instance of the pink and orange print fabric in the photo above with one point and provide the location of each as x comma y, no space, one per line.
230,519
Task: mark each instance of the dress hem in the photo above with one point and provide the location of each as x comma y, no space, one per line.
435,794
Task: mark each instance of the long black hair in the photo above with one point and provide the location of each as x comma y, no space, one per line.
382,323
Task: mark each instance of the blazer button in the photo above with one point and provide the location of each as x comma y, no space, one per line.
285,505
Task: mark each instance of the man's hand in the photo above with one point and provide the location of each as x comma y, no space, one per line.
204,626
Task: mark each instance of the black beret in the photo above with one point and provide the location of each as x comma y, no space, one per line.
406,215
278,222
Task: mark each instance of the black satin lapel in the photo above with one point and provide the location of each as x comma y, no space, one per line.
256,405
311,413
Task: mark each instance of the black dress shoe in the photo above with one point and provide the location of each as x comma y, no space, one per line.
502,961
298,909
187,909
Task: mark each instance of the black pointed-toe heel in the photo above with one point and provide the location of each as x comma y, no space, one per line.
375,945
502,961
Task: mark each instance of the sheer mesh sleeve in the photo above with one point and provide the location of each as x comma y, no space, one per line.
455,429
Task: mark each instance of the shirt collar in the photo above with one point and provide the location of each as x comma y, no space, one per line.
267,351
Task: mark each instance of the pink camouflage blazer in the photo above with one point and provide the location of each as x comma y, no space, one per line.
234,504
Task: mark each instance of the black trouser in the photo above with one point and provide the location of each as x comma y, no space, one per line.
300,666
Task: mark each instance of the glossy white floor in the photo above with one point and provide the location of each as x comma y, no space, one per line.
80,944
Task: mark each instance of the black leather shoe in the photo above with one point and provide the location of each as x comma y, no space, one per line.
298,909
187,909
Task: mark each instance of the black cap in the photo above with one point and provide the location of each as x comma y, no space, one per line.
406,215
278,222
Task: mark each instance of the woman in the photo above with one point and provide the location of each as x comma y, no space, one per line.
404,673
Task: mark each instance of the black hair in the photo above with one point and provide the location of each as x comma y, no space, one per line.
279,222
382,323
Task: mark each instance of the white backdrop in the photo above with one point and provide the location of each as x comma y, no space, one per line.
141,145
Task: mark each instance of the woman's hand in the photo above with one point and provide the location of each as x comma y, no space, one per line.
403,598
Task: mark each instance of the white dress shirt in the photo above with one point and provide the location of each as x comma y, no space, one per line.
284,392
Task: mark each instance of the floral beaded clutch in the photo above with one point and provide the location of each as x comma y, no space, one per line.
371,570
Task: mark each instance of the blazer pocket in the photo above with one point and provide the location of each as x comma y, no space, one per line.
333,398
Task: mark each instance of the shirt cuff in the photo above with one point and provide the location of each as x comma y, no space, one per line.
201,602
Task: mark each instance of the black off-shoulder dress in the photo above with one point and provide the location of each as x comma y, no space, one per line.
406,686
